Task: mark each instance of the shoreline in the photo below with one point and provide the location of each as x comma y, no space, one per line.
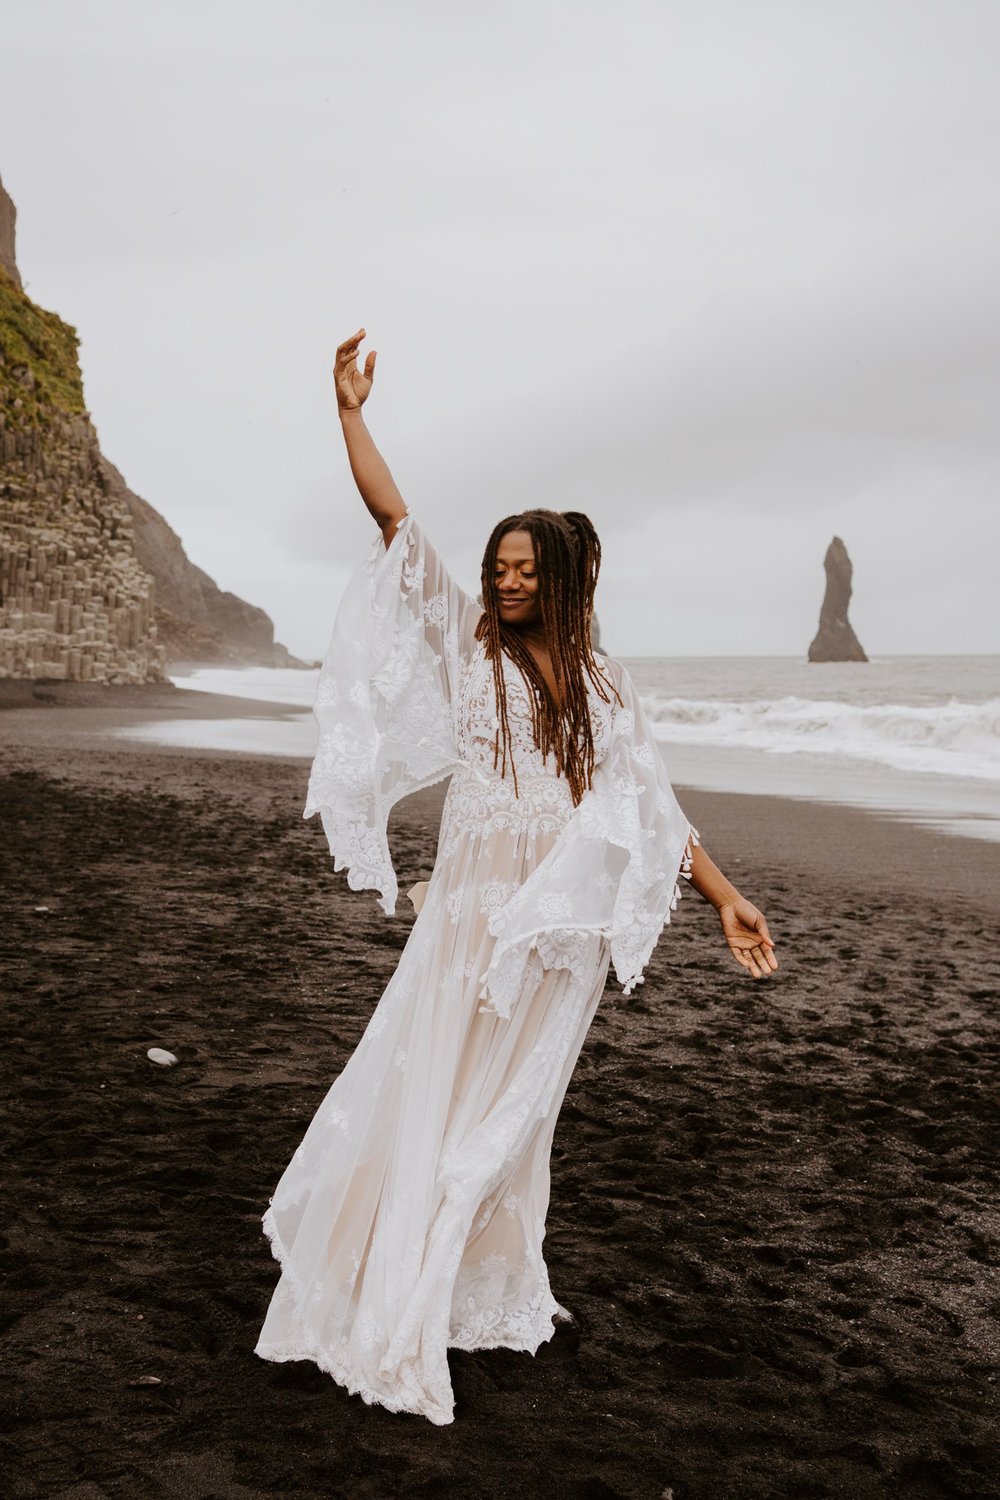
67,721
804,834
179,719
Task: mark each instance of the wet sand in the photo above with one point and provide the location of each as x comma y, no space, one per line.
774,1206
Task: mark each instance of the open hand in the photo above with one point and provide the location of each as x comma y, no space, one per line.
749,941
351,384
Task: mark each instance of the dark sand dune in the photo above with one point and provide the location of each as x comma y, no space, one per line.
774,1206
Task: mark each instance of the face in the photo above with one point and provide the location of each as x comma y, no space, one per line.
515,579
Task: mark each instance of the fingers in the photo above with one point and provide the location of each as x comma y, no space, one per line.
765,960
348,350
760,961
370,366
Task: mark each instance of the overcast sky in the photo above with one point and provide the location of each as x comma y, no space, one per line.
722,273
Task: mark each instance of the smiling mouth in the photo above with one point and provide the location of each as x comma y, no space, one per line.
506,603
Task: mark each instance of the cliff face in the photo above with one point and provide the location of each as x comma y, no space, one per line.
835,639
94,585
74,601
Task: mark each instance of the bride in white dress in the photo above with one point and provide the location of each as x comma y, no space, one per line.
410,1219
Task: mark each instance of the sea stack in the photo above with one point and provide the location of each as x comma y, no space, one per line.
835,639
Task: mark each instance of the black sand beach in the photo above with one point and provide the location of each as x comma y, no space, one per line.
774,1206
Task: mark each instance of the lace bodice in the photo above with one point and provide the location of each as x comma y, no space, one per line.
478,721
480,800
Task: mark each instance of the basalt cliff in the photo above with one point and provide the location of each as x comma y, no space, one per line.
94,584
835,639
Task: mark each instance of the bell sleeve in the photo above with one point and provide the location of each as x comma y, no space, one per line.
612,874
385,702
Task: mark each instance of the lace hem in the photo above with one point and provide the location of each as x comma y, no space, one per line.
440,1411
522,1330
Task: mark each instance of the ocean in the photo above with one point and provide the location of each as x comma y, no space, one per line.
915,736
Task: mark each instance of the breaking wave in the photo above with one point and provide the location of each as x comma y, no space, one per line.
956,738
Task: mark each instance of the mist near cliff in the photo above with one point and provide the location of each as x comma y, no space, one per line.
723,276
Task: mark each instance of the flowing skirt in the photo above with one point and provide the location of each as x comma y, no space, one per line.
411,1217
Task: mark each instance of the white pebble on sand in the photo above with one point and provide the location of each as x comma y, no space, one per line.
158,1055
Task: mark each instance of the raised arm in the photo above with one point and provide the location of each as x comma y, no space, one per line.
371,472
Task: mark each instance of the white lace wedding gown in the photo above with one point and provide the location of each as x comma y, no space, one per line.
411,1217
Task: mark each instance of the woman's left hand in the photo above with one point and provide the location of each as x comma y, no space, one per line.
749,941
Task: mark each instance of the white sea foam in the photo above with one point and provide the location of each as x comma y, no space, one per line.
949,736
955,738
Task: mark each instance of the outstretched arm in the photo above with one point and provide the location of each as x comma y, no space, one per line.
743,925
371,472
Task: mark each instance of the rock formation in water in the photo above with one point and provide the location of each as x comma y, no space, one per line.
835,639
94,585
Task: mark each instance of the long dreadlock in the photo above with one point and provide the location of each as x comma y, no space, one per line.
568,559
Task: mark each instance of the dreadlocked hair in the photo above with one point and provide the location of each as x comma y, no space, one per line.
568,559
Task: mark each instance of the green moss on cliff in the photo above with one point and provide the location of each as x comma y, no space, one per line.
40,372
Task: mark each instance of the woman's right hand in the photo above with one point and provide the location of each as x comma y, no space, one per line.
351,384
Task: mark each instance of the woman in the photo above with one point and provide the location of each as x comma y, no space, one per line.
411,1217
